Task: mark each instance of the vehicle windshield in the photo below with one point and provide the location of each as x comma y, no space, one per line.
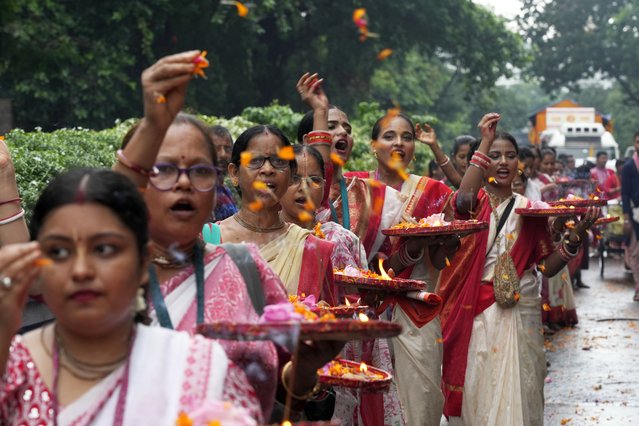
586,151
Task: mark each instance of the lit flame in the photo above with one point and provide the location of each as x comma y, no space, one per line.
363,317
287,423
347,302
437,223
382,270
363,367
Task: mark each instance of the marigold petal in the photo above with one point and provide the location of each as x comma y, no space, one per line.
242,10
260,186
305,216
286,153
256,206
384,53
336,159
245,158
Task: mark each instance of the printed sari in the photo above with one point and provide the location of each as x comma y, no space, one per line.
226,299
169,372
494,364
303,263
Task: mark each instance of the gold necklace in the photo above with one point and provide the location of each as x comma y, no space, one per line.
258,229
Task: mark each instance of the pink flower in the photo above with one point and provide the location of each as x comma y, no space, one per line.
280,312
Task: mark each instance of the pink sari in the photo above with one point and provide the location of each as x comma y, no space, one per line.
226,298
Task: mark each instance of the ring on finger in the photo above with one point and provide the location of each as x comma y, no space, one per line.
6,282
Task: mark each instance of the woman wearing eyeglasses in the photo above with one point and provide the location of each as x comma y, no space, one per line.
263,175
171,158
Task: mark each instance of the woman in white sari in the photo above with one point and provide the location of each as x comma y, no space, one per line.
96,364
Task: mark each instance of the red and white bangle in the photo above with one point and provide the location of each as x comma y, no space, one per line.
319,136
12,218
482,156
132,166
478,164
406,259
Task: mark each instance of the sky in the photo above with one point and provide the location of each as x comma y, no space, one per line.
505,8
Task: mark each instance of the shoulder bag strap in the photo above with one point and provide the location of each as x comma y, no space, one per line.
240,254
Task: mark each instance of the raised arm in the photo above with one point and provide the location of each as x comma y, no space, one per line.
426,135
309,86
17,273
14,228
474,177
164,88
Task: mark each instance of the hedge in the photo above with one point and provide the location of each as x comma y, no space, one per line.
39,156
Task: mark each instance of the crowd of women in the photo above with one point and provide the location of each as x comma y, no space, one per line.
129,263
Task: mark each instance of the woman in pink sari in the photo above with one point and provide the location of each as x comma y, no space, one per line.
97,364
172,158
494,364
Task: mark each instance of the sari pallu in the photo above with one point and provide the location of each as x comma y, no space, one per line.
169,372
303,263
226,299
465,296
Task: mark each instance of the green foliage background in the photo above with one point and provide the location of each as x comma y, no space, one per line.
38,156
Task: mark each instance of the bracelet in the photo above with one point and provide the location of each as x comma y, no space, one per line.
319,136
480,160
477,164
482,156
443,163
12,218
565,254
13,200
308,394
406,259
132,166
577,243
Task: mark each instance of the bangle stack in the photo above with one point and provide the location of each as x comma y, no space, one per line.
13,200
132,166
12,218
564,253
445,162
406,259
479,160
304,397
319,137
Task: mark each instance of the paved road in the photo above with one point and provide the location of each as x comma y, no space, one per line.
593,378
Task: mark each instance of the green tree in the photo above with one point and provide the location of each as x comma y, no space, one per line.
576,40
78,63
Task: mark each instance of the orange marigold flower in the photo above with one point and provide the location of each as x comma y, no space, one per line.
260,186
491,179
546,307
160,99
200,63
517,296
309,205
43,261
318,231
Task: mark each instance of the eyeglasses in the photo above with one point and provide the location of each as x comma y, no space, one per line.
311,181
278,163
165,175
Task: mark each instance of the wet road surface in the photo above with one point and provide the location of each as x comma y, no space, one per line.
593,377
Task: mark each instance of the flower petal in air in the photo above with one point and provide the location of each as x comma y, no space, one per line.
256,206
183,420
286,153
384,53
336,159
245,158
242,10
260,186
305,216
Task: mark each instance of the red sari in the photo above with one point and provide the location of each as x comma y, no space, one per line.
465,297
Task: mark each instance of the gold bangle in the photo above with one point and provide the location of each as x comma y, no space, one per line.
308,394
